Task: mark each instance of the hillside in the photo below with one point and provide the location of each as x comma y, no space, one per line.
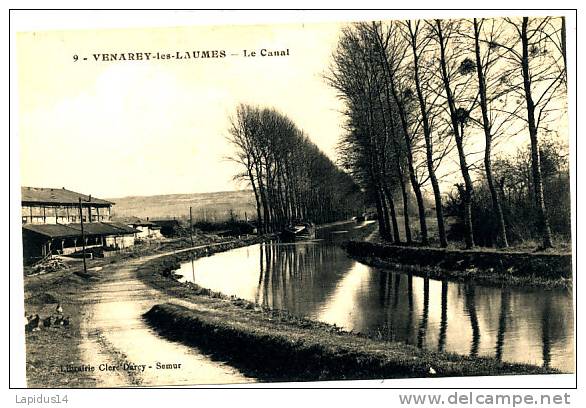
206,206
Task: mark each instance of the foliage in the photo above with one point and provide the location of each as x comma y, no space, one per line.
516,189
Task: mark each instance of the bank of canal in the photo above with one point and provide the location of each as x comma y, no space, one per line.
484,266
318,281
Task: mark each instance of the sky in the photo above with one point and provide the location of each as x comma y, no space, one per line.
159,126
120,128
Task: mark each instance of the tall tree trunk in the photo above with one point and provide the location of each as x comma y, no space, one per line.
396,235
405,204
384,177
563,44
428,145
393,135
263,197
382,224
386,214
467,192
390,82
259,229
375,173
458,129
486,126
420,206
543,219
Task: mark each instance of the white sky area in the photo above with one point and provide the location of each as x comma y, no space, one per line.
157,127
124,128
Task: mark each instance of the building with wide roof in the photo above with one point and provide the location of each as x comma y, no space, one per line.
52,223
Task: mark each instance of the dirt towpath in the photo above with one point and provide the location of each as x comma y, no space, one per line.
125,351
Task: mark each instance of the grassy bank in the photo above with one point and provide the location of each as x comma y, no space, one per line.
488,266
51,349
276,348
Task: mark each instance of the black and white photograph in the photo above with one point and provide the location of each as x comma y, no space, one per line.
296,202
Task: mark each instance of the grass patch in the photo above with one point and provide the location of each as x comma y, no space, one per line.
52,348
488,267
272,349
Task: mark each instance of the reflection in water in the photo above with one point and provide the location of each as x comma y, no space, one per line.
471,309
192,268
317,280
545,329
500,337
409,322
424,315
441,344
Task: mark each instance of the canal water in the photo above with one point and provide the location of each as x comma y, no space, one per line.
317,280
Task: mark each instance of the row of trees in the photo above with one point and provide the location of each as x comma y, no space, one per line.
291,178
421,96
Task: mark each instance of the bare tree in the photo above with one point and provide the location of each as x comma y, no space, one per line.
418,92
243,127
484,62
541,63
291,179
356,74
390,48
419,43
444,31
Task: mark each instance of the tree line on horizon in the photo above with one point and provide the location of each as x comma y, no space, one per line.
421,94
292,180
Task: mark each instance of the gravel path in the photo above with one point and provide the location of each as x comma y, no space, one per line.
125,351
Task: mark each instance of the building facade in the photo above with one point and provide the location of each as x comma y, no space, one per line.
169,228
146,229
52,223
61,206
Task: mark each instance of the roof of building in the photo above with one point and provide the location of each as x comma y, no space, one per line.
122,227
166,223
105,228
141,223
134,221
74,229
43,195
52,230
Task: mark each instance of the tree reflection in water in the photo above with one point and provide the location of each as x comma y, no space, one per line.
470,296
545,331
441,344
503,316
424,315
318,281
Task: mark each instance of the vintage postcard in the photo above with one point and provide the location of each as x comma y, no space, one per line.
294,202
